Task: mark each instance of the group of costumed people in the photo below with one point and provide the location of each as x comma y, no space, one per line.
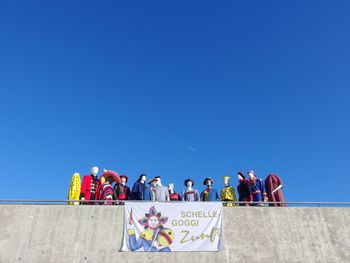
112,186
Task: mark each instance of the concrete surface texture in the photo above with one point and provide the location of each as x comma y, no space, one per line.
58,233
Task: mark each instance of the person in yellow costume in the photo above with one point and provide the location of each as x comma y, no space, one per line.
228,193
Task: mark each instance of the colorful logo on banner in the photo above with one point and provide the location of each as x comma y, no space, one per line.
166,227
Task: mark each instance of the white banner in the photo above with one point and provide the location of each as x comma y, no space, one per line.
172,226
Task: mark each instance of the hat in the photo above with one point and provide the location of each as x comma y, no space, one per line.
109,173
241,174
226,177
188,180
123,175
152,180
208,178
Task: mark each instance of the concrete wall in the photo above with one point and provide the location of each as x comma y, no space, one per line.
57,233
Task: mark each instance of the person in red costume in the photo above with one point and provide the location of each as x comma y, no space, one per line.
122,191
273,185
172,194
89,187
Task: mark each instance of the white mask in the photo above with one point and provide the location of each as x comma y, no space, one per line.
226,181
94,171
251,174
123,179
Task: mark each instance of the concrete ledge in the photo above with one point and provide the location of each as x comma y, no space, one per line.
55,233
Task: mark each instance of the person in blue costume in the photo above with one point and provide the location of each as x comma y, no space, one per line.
149,193
210,193
257,187
138,188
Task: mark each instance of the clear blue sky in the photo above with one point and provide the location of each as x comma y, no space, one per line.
177,89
